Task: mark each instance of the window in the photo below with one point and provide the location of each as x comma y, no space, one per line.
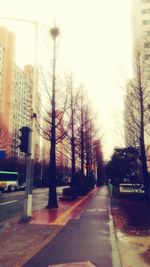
146,33
147,69
146,21
147,45
146,11
147,56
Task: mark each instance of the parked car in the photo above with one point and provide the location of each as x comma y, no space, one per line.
21,187
1,190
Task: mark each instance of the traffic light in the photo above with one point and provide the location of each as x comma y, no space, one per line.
25,136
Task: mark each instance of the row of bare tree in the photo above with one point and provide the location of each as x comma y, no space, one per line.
71,130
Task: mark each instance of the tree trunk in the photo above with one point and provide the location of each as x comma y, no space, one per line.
73,180
144,167
82,138
142,141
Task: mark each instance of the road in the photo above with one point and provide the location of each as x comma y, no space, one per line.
11,204
85,240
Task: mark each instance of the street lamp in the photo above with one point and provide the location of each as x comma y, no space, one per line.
52,201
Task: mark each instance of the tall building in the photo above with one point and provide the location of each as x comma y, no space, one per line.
141,31
16,97
21,105
138,89
127,119
140,59
7,64
37,135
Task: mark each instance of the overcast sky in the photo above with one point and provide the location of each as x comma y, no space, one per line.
95,43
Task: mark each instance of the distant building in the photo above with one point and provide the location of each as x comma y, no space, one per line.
16,96
141,31
21,106
130,132
7,64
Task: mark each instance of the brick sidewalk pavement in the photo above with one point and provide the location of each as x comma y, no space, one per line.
20,241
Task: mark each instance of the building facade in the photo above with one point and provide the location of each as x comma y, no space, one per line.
7,64
137,97
16,97
21,106
141,31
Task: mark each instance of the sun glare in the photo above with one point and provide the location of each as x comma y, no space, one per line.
95,45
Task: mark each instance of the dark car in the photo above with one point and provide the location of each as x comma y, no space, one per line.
1,190
21,187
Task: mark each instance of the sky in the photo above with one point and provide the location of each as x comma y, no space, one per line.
94,43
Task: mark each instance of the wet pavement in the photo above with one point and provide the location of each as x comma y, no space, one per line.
76,234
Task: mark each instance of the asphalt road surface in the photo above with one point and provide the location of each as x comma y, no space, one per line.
11,204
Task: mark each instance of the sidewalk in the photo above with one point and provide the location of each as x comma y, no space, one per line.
79,232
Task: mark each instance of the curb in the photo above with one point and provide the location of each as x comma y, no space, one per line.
116,259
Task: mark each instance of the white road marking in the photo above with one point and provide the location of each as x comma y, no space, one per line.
6,203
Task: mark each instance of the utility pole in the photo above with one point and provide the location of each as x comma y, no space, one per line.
27,213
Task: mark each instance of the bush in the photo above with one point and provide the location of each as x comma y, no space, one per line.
69,193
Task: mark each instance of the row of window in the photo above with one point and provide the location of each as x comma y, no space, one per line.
146,1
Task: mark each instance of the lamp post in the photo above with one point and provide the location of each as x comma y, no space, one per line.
52,201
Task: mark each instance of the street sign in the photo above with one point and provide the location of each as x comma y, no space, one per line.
2,154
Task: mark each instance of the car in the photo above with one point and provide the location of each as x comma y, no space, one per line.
21,187
1,190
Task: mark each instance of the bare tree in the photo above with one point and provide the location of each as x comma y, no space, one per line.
138,112
72,134
99,162
90,134
52,116
87,135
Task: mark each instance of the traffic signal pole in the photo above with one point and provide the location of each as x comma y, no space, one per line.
26,147
27,213
30,156
28,190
